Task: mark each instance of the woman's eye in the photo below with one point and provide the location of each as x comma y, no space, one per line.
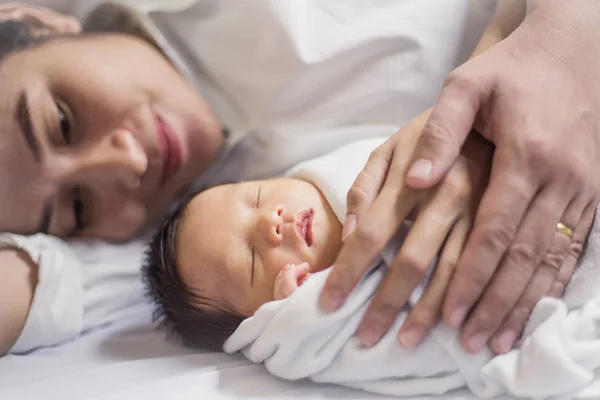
65,125
78,210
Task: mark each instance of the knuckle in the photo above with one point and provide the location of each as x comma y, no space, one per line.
457,183
554,258
460,81
437,134
576,248
413,266
542,152
498,236
357,195
484,318
576,174
524,255
520,314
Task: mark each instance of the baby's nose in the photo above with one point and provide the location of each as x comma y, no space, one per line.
272,221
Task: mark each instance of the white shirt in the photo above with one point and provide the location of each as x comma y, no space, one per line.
293,79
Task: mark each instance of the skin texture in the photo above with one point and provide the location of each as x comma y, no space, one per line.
105,154
535,96
227,227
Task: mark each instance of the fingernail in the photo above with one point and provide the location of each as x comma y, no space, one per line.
505,342
421,169
457,316
349,226
370,335
411,337
331,300
476,343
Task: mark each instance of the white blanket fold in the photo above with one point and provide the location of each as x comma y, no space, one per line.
558,357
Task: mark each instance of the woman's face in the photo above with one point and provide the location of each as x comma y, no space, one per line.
98,135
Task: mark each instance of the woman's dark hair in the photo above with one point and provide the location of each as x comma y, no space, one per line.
15,35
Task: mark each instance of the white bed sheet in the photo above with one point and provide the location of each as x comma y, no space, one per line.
129,359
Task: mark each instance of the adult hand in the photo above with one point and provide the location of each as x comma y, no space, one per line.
378,203
40,20
536,96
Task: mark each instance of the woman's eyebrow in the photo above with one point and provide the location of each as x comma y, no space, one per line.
23,118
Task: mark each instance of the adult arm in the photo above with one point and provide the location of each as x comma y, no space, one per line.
19,279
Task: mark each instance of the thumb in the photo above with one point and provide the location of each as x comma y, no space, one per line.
301,272
445,132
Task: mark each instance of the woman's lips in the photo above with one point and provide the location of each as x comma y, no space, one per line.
170,149
304,221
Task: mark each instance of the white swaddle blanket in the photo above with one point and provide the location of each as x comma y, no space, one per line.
295,340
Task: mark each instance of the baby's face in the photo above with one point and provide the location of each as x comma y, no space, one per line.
234,239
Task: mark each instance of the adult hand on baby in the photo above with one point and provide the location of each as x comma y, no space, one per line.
536,96
378,203
289,279
40,20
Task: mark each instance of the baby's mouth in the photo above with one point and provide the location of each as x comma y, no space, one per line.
304,225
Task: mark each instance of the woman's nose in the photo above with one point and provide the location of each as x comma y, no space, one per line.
271,222
118,156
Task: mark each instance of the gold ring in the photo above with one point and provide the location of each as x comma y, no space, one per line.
562,228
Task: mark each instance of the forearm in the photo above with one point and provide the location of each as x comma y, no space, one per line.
17,286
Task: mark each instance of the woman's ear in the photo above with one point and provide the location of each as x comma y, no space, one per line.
41,21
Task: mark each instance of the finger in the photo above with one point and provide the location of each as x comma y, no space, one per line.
539,286
447,128
289,282
575,250
411,264
300,271
500,211
372,233
366,186
517,268
427,312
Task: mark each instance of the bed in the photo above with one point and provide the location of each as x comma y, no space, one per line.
129,359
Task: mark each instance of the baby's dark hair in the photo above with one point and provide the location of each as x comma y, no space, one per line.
197,321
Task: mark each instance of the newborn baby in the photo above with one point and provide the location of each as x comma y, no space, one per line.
233,248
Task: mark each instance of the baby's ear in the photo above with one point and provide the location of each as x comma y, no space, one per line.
40,21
